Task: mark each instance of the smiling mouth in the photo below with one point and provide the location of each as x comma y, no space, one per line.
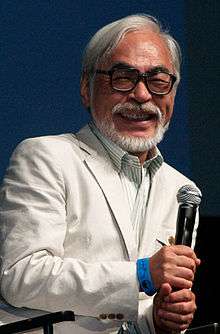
140,118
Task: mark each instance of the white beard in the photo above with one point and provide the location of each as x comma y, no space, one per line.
133,144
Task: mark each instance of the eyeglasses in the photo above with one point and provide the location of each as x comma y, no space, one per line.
157,81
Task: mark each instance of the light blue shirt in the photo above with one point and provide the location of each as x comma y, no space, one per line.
135,178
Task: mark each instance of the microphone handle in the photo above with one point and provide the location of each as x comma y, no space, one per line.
184,229
185,224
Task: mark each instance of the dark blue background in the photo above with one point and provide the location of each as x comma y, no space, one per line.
42,44
40,60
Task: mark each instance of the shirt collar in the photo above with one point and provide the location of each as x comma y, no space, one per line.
119,157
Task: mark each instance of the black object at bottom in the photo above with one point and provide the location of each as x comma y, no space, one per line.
48,329
45,321
206,329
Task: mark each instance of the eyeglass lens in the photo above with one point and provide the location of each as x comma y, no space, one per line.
124,80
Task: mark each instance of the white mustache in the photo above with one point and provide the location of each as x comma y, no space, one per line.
133,109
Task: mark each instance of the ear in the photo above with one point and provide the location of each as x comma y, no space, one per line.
84,90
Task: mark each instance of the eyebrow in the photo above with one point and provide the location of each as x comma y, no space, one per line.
153,69
121,65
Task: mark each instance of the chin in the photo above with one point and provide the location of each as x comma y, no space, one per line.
131,143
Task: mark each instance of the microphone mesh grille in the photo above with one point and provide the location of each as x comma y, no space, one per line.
189,194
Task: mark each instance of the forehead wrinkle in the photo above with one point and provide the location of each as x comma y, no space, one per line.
143,50
125,65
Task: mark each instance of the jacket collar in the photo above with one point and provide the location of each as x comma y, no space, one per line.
99,164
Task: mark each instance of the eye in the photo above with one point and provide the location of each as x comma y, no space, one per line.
158,82
123,78
160,79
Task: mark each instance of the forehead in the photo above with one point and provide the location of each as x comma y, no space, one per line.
143,49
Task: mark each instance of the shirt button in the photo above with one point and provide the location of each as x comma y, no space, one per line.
103,316
111,316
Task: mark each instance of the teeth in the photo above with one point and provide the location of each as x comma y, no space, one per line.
138,117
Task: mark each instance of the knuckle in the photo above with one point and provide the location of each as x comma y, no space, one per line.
192,264
167,278
183,309
165,269
188,285
168,252
182,318
194,308
190,318
190,296
190,274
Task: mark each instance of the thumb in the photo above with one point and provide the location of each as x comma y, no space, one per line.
165,290
163,293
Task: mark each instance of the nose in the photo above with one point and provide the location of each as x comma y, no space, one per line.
140,93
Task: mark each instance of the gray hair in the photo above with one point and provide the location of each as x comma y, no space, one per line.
107,38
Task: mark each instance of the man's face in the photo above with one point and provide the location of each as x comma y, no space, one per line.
143,50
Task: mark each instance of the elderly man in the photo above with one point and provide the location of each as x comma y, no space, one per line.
83,216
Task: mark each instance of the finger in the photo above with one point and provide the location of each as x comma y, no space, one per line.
198,262
175,317
184,295
186,262
179,308
170,325
180,283
185,250
185,273
183,308
164,291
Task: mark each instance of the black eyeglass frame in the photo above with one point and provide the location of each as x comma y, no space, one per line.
140,76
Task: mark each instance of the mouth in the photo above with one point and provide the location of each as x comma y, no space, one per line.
139,118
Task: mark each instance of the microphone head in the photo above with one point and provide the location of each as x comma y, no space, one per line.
189,194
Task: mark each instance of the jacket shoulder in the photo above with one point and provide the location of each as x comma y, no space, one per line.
65,139
173,177
53,144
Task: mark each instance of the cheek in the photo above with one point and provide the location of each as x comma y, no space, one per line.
103,100
166,107
101,107
100,94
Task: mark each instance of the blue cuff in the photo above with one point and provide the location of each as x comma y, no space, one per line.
144,277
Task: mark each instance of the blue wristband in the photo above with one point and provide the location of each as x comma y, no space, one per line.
144,277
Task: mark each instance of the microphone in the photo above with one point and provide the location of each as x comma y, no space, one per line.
189,198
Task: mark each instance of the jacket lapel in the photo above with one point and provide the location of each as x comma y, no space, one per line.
99,164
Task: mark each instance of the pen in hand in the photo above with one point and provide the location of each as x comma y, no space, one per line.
161,242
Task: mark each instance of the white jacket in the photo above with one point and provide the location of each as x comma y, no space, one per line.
66,237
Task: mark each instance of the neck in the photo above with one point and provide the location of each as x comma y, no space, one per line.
143,156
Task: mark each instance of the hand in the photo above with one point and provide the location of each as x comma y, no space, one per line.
173,311
175,265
